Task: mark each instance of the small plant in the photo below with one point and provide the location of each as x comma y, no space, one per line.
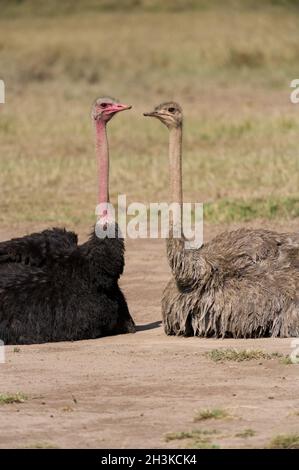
246,433
67,409
16,349
285,441
41,445
198,439
176,436
203,445
215,413
6,398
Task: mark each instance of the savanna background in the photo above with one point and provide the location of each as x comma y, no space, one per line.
230,64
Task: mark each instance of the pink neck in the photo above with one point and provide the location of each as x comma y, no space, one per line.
102,152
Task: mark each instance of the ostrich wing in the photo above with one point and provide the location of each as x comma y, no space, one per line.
37,248
244,246
17,276
232,254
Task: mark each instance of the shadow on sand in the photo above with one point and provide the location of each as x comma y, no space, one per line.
149,326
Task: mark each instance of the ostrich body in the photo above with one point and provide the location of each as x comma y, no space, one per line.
242,284
51,288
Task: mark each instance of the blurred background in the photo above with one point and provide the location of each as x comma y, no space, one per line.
229,63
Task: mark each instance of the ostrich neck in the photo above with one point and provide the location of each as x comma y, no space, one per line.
180,260
102,151
175,246
175,165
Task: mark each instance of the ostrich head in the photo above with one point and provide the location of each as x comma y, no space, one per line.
102,111
105,108
169,113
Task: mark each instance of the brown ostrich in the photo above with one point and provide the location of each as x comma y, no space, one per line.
242,284
51,288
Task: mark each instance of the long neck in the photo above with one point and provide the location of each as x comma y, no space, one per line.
176,253
175,242
175,181
175,164
186,269
102,151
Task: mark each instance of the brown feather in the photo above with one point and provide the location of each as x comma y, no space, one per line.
242,284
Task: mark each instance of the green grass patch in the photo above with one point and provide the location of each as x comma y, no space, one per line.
230,354
213,413
7,398
285,441
245,210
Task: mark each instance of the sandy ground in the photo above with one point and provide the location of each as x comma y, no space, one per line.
130,390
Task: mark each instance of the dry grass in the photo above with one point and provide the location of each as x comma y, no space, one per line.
241,147
234,355
195,439
8,398
246,433
214,413
230,354
288,360
285,441
41,445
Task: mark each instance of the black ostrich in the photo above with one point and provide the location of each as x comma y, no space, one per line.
51,289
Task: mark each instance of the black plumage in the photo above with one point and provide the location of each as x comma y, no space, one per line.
52,289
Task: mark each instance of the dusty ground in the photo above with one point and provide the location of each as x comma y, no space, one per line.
128,391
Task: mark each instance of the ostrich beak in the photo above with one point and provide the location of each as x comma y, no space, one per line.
151,114
117,107
123,107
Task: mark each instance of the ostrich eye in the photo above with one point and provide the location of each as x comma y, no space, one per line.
171,110
104,105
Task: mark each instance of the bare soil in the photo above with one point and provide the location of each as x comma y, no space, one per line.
130,390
